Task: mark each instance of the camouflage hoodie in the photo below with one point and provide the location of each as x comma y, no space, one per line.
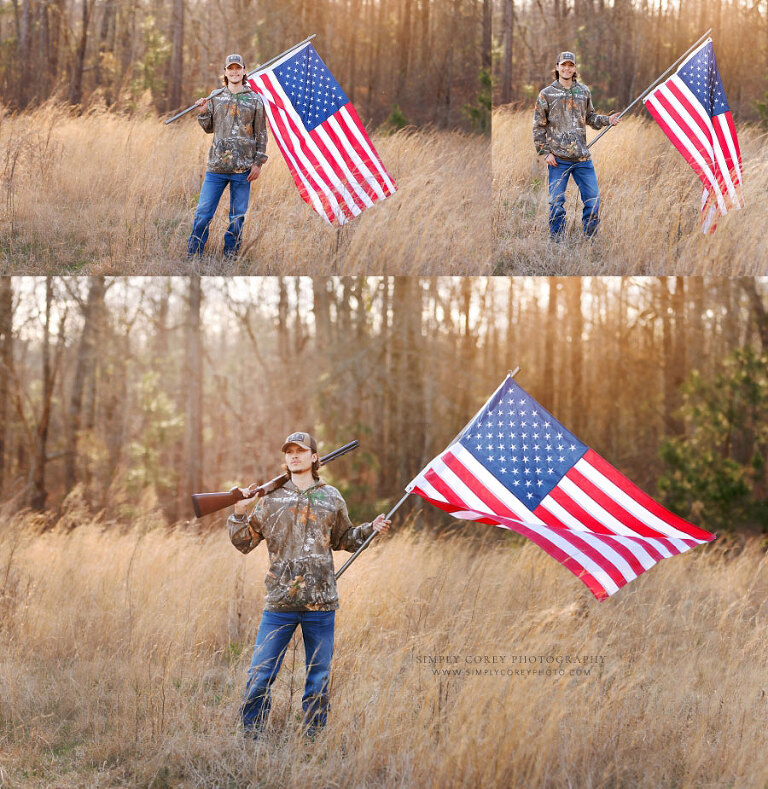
238,124
559,122
300,528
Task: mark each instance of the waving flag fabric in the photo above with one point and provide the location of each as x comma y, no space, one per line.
331,158
692,110
516,466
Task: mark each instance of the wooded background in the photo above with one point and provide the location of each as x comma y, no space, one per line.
409,61
621,46
132,393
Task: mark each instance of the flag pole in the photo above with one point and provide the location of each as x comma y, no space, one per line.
510,374
370,539
247,76
653,84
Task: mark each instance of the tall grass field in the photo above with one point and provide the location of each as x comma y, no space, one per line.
102,193
650,207
458,662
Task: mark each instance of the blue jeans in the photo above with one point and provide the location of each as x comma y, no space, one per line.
584,175
272,640
213,187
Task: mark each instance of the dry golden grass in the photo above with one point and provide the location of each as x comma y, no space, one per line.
124,654
650,200
106,194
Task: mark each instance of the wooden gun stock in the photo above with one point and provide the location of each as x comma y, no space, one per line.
206,503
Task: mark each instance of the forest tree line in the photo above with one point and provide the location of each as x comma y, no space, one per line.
623,45
127,391
406,61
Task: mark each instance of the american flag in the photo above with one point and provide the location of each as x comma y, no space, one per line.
516,466
692,110
331,158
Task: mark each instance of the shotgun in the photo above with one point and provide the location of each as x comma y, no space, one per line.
206,503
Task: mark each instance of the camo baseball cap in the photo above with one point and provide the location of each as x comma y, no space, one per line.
566,56
238,59
303,440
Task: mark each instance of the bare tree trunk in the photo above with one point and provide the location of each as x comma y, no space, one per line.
673,425
548,387
76,89
576,329
404,49
506,63
177,55
759,310
25,50
6,361
485,43
86,357
39,494
194,387
54,32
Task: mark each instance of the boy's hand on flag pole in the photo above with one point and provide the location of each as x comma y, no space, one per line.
615,119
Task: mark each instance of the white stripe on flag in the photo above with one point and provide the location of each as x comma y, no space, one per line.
422,483
363,140
559,512
287,148
600,514
326,170
725,130
316,174
628,503
349,150
477,509
610,555
714,145
684,138
342,162
479,472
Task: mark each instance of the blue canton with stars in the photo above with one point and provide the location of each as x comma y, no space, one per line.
310,86
702,76
521,444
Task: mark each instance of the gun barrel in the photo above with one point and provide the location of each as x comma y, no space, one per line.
337,453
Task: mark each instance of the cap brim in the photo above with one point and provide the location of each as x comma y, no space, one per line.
296,444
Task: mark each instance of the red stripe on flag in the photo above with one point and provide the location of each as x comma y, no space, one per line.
333,162
355,119
282,126
625,517
688,141
583,517
568,561
643,499
319,168
732,132
350,162
678,143
481,491
295,165
629,557
439,484
723,143
720,124
354,143
690,109
605,564
500,509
